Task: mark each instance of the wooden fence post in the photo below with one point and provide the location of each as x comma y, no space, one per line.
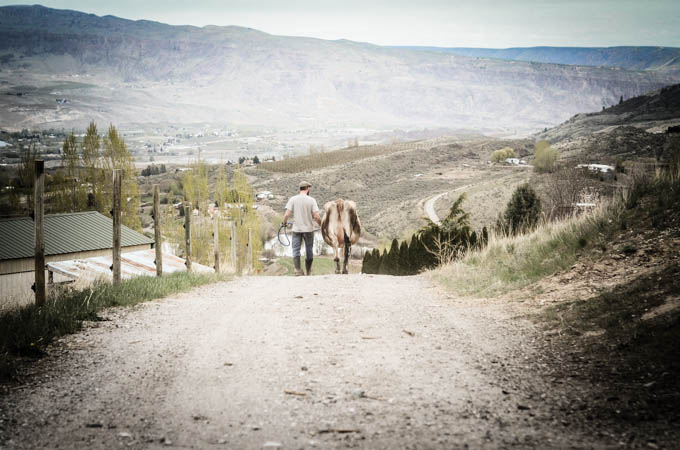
187,234
250,251
216,241
116,225
234,252
157,229
38,213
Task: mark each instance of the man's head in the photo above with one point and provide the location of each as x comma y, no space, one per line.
304,186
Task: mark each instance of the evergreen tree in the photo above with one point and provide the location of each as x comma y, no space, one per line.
393,258
404,262
366,263
523,210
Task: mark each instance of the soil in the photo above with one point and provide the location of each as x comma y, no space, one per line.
356,361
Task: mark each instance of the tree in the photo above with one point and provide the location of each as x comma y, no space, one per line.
404,262
446,241
196,185
116,156
366,263
95,177
22,185
256,160
545,157
523,211
502,154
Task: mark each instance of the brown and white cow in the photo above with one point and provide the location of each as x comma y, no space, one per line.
340,229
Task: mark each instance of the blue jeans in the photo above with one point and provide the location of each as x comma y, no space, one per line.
309,244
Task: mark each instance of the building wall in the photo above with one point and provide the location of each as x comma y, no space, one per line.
17,275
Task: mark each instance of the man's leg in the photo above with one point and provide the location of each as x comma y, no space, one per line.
297,243
309,252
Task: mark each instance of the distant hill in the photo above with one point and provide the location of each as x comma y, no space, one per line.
63,68
631,58
653,112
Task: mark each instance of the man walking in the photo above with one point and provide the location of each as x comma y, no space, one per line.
304,209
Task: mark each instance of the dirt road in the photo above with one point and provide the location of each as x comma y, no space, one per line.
280,362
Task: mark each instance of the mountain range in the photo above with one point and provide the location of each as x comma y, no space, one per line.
61,68
665,59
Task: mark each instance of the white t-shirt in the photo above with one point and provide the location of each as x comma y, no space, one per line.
302,206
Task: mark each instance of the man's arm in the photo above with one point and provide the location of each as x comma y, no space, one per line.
286,216
317,217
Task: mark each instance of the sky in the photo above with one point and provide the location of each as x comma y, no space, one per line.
443,23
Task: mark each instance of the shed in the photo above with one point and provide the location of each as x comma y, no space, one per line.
67,237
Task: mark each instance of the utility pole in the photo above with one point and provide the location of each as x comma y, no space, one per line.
116,225
157,229
38,213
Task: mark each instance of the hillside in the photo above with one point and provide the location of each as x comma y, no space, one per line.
631,58
63,68
633,127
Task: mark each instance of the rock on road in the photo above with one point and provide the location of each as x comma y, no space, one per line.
281,362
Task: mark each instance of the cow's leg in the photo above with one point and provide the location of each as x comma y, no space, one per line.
346,259
336,259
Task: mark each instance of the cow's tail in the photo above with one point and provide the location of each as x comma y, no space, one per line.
324,227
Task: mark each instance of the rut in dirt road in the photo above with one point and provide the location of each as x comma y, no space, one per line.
329,361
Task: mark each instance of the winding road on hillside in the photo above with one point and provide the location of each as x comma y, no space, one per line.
428,206
356,361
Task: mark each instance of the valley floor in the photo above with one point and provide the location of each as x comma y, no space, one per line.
329,361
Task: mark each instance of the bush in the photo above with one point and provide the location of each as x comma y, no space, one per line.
545,157
523,211
503,154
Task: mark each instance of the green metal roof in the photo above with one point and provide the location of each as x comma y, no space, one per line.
64,233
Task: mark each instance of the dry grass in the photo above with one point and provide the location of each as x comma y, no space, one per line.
510,263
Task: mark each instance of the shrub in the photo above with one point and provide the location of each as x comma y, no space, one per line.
545,157
502,154
522,212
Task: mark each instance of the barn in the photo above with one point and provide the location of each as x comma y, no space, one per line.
67,237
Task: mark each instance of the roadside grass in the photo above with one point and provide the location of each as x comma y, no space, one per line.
513,262
26,331
321,266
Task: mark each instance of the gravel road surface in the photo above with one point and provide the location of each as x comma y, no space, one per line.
356,361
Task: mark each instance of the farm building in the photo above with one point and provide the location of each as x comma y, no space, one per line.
67,237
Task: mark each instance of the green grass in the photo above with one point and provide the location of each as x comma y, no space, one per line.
27,330
510,263
321,266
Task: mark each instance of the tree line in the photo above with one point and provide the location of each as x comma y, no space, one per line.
84,181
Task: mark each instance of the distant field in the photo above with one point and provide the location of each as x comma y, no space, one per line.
321,160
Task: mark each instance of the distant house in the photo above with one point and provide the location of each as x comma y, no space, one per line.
67,237
515,161
264,195
601,168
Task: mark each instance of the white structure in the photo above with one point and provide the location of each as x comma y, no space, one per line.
601,168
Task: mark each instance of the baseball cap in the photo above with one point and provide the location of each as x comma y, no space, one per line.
304,184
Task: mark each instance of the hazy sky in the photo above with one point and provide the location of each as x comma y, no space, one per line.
447,23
